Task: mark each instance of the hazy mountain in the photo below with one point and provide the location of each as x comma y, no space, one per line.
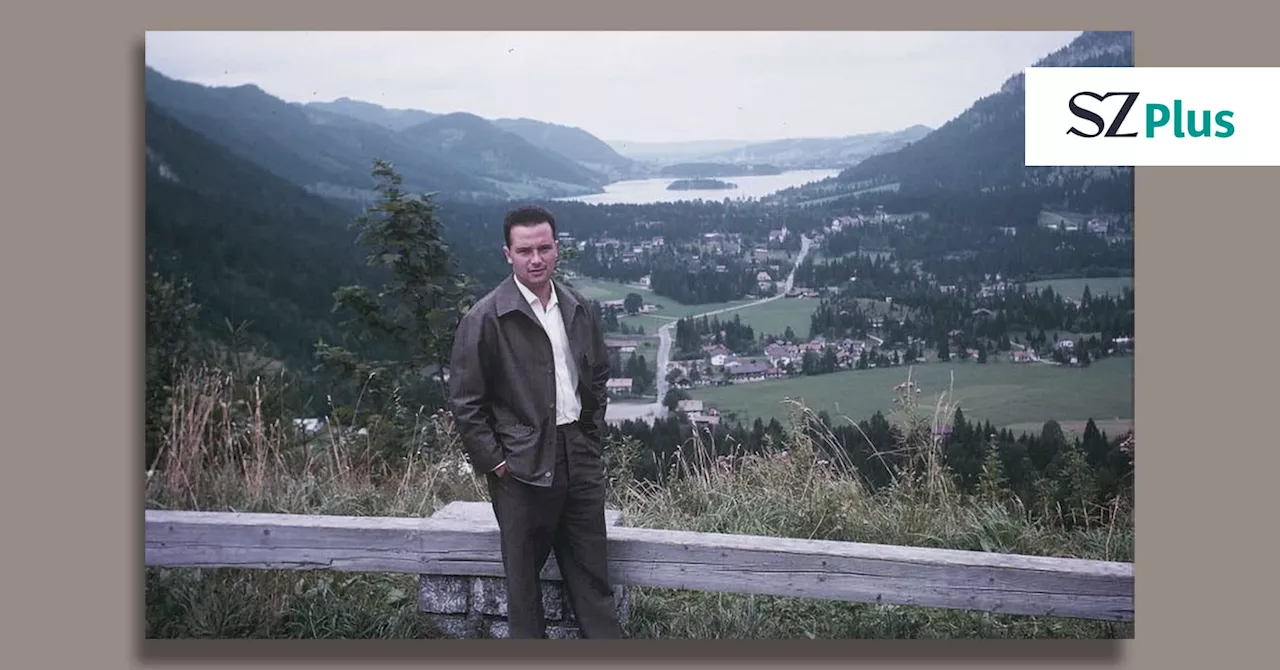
573,143
820,152
664,153
393,119
790,154
983,147
476,146
330,152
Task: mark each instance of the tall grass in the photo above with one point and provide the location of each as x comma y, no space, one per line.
222,453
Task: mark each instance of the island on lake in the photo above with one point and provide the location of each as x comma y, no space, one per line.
700,185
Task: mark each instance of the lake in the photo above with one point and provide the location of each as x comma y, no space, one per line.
649,191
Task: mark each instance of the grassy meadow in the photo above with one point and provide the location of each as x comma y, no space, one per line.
598,289
1074,287
774,317
670,310
224,452
1004,393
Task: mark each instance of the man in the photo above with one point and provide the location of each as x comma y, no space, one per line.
527,388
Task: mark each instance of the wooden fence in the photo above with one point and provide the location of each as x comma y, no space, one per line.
465,545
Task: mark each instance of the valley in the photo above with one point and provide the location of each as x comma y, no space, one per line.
836,267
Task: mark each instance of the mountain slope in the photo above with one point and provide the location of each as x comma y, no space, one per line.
331,153
392,119
573,143
821,152
474,145
983,148
256,247
663,153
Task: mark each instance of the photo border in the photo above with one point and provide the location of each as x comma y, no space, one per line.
76,561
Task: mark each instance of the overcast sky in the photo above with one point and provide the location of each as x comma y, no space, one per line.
646,87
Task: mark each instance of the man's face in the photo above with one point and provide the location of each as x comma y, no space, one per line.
532,254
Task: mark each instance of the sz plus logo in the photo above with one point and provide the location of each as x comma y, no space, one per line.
1105,115
1131,116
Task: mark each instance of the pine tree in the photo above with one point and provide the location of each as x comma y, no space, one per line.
993,485
410,319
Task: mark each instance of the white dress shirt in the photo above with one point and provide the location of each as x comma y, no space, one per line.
568,405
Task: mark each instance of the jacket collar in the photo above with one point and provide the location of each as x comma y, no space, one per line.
511,299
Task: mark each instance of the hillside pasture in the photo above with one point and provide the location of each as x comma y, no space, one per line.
1003,393
600,289
668,308
774,317
1073,287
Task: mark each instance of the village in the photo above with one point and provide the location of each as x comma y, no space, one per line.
718,365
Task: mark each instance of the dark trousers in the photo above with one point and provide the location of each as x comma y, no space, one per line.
567,518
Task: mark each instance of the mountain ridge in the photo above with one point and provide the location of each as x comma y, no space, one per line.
983,146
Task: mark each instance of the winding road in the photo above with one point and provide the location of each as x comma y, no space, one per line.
621,411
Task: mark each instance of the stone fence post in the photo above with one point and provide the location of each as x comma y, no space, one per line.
462,606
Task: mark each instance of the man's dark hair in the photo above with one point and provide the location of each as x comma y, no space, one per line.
529,215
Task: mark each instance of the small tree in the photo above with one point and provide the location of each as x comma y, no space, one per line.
409,322
632,303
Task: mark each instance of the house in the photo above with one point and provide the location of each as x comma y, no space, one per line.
718,353
709,418
689,406
623,346
752,372
780,354
619,385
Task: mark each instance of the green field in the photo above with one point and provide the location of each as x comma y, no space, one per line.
774,317
1001,392
598,289
1074,287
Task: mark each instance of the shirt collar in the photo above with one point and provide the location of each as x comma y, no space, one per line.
533,300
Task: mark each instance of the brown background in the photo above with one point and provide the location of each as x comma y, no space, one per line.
73,156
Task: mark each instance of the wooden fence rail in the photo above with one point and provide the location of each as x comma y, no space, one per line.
846,571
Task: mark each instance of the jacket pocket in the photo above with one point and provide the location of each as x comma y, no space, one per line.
519,445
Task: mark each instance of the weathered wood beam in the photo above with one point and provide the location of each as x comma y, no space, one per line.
845,571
